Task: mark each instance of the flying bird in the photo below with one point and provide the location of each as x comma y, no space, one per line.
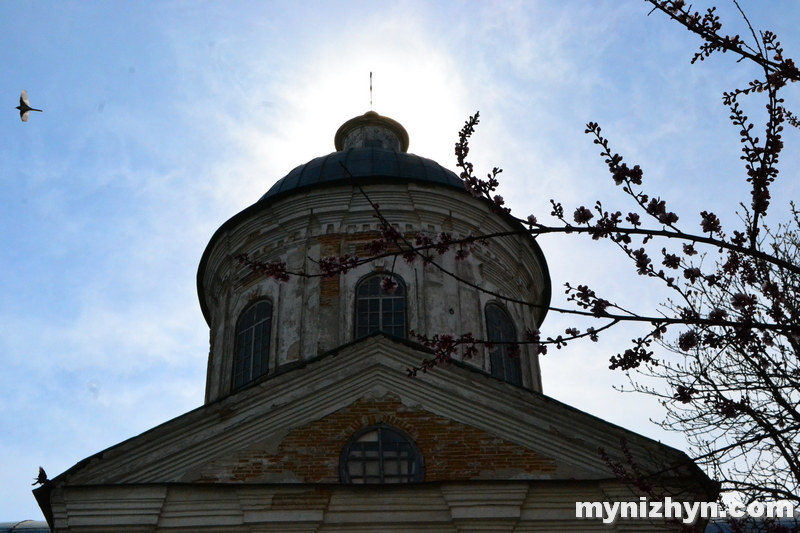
25,106
41,479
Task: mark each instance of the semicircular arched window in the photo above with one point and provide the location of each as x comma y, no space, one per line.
500,329
381,454
252,343
379,309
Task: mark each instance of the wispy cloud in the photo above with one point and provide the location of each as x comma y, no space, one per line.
164,120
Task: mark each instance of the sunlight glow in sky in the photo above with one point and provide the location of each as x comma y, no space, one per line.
161,120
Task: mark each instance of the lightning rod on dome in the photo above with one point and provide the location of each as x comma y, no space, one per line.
370,91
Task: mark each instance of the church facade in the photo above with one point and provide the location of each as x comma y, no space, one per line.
311,422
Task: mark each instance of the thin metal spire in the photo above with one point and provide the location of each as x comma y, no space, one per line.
370,91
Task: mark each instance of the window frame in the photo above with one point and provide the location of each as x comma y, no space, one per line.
501,364
416,461
380,298
266,352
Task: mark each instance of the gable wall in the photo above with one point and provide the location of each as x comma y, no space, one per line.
310,454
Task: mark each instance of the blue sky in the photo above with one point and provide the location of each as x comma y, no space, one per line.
163,119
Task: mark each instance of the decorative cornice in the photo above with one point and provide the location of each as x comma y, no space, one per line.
375,365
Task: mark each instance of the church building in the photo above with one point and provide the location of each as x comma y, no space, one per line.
311,422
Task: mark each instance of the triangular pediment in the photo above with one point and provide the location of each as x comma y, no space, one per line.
291,427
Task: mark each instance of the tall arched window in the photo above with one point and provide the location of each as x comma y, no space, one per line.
381,454
378,309
252,343
500,328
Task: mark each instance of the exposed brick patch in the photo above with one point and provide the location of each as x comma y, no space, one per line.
328,289
329,245
452,451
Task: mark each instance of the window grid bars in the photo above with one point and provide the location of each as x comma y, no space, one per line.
501,329
252,344
396,461
377,310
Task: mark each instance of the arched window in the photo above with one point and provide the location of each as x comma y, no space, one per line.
378,309
381,454
252,343
500,328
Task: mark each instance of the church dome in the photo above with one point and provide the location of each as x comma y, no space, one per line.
261,327
357,166
370,149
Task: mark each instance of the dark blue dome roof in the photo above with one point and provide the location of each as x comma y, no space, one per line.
365,165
